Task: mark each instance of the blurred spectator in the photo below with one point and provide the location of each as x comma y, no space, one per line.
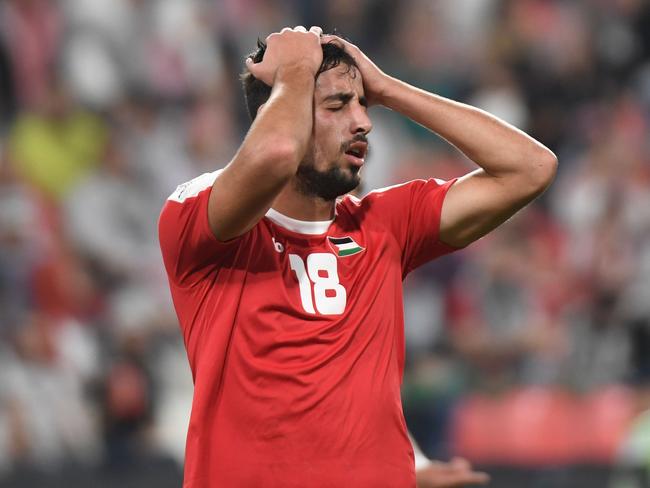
50,421
32,31
504,313
53,146
127,400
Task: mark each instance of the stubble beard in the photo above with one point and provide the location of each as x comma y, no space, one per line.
328,184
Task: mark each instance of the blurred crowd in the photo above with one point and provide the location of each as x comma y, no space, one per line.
107,105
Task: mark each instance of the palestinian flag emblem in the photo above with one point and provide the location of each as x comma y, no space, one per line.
344,246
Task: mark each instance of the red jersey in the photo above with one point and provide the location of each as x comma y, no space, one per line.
295,336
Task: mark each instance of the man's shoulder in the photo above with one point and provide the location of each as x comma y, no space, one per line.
377,206
405,186
194,186
373,196
389,194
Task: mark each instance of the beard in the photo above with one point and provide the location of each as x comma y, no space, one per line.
328,184
332,182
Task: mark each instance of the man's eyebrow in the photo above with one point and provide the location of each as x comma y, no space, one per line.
345,97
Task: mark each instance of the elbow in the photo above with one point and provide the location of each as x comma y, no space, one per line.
542,170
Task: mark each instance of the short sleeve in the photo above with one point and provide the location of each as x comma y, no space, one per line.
187,243
411,211
423,238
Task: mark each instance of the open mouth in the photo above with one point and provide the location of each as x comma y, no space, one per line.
357,151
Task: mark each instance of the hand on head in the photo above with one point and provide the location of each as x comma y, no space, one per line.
374,79
297,47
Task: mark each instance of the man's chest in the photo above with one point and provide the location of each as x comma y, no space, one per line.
320,276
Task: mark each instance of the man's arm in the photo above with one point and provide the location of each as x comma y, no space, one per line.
514,168
277,139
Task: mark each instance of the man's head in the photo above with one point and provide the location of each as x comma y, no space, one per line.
338,145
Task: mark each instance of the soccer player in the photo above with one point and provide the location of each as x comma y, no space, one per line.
288,290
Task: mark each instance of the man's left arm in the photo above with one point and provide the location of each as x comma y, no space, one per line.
513,167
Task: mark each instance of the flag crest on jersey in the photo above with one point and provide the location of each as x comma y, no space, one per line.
345,246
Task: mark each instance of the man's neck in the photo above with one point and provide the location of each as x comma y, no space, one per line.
297,205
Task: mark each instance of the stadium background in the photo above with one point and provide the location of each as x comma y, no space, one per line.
528,352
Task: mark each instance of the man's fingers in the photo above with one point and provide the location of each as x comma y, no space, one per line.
480,477
454,474
253,67
473,478
316,30
333,39
461,463
453,480
286,46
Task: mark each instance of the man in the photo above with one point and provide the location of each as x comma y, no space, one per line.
290,298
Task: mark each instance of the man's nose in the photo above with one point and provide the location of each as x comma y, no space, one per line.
361,122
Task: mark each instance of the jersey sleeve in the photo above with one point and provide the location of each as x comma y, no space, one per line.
187,243
412,213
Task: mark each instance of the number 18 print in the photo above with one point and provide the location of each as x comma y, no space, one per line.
311,282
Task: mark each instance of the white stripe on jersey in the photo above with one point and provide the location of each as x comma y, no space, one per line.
193,187
312,227
347,245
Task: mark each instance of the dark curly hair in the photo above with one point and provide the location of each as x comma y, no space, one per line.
256,92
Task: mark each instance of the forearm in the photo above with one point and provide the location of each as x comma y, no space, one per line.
497,147
283,124
267,159
514,168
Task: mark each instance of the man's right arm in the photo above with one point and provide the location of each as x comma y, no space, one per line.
278,138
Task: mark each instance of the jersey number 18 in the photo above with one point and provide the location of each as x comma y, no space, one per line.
320,280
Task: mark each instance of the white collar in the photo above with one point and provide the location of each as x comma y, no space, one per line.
299,226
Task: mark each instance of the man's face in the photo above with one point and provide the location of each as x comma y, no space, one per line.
338,146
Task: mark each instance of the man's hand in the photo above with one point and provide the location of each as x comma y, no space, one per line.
295,47
454,474
374,79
